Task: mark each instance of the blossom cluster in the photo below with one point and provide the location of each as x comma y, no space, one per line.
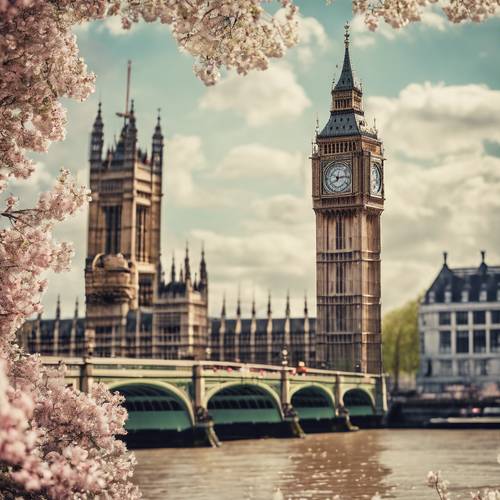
58,442
399,13
27,250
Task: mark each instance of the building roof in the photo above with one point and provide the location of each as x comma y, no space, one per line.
473,280
346,123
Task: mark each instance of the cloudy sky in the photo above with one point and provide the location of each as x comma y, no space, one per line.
237,169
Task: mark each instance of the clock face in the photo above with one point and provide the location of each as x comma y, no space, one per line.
375,179
337,178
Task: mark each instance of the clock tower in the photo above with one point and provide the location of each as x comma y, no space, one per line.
348,199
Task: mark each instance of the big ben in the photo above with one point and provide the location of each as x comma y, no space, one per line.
348,200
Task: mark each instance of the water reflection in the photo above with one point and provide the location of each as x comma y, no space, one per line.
352,465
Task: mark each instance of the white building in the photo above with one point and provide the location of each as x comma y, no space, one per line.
459,324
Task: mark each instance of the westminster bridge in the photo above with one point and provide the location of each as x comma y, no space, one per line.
177,402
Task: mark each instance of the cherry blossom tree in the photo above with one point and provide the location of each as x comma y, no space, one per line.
56,442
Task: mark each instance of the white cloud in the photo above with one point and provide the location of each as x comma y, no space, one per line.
428,121
260,97
257,161
452,206
312,39
184,157
432,19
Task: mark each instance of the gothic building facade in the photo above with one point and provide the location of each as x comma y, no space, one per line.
132,310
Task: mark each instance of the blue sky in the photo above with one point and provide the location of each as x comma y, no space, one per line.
237,169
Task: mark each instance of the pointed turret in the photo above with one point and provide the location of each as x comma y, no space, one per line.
238,305
72,338
237,328
157,147
307,334
187,267
97,140
253,330
58,308
172,270
130,135
287,327
223,309
203,285
181,275
222,330
269,331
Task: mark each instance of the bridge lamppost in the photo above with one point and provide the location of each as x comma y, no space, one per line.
284,357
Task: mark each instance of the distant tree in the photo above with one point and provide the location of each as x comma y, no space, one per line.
400,341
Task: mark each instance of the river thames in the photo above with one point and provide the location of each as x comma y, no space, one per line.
392,463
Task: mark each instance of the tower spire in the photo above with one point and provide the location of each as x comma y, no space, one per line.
58,307
187,268
157,146
97,138
172,271
238,303
306,309
287,308
346,80
269,310
223,310
203,267
76,307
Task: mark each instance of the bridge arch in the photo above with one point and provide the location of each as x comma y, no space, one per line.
155,405
239,402
313,402
359,402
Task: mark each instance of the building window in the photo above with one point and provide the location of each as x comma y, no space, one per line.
465,296
444,318
462,342
479,317
479,341
462,317
112,220
495,340
432,297
483,295
444,342
495,317
481,367
428,368
445,367
463,367
447,296
141,233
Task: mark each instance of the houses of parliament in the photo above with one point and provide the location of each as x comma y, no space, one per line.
136,308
